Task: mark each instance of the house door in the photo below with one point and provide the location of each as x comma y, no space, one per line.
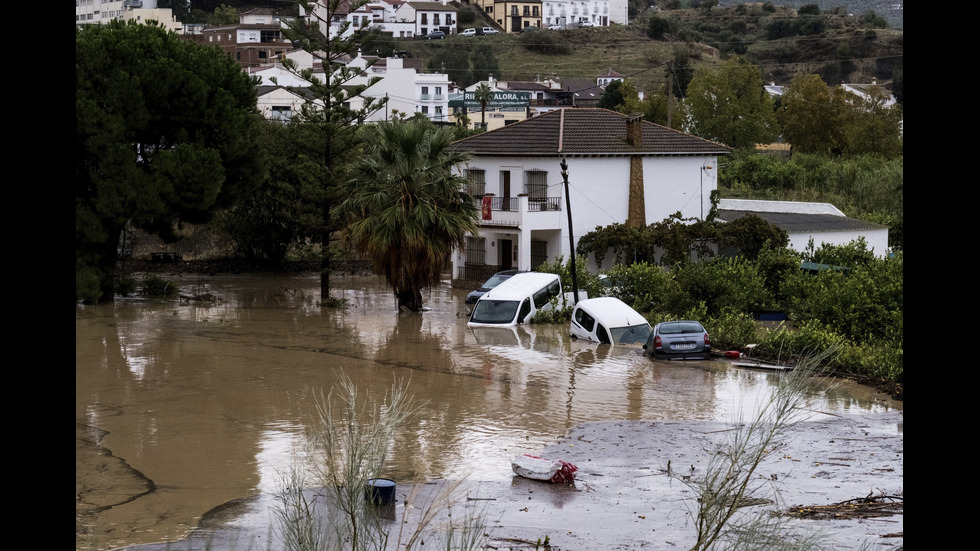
506,254
505,189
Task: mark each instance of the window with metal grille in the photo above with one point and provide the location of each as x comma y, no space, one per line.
536,184
478,182
539,253
476,251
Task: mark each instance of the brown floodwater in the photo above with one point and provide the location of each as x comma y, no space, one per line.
183,406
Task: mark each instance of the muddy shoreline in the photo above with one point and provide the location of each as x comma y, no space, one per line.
623,498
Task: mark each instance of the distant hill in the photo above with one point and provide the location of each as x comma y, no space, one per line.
837,46
890,11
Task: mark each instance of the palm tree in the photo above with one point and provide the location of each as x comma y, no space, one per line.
405,208
484,95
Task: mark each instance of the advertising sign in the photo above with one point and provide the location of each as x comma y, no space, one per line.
500,99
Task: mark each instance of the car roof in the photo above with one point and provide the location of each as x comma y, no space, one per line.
519,286
611,311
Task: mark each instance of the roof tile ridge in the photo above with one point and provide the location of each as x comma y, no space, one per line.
665,127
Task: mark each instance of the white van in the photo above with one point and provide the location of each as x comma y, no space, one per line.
608,320
516,300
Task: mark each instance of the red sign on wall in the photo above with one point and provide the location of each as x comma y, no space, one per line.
486,208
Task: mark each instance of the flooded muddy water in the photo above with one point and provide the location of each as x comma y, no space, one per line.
181,407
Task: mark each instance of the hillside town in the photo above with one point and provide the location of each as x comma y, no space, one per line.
488,274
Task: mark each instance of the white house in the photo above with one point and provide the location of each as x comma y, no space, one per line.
397,18
408,90
621,169
821,222
619,12
569,13
278,103
610,76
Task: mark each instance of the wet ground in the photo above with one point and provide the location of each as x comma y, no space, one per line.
186,413
623,498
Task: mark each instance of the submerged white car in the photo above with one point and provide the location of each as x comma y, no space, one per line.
608,320
516,300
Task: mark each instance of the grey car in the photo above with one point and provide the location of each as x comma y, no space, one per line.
497,279
682,340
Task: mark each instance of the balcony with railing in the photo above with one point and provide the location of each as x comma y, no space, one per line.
521,212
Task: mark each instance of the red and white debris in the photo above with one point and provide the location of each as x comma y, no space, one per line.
539,468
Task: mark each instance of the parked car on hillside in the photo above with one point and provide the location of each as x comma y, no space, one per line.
554,27
490,30
435,35
468,32
586,24
682,340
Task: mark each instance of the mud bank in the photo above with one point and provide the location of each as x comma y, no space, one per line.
623,497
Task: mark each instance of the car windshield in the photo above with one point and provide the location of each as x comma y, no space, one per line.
676,328
494,311
494,281
630,335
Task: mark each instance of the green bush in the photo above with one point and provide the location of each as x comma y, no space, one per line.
658,26
732,330
545,42
156,286
126,285
645,286
732,284
466,16
866,303
809,338
587,281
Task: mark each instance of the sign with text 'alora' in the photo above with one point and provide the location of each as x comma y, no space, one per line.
500,99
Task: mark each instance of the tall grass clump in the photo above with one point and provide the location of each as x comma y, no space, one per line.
349,445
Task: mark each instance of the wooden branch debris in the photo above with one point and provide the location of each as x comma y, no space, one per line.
861,507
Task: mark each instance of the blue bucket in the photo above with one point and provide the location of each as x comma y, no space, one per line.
380,491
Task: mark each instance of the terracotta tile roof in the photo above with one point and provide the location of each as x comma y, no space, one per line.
585,131
611,74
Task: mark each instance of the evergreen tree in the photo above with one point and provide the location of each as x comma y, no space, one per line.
165,132
334,108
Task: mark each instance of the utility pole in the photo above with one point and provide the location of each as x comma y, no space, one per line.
670,90
571,234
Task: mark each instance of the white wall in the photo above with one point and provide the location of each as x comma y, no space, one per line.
877,240
599,189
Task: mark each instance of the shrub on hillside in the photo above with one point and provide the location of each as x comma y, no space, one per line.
545,42
658,26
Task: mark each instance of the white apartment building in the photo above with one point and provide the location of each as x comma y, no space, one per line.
407,89
566,12
89,12
103,11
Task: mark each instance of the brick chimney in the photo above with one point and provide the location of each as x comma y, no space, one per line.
634,129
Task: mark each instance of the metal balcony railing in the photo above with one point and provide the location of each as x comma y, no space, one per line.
533,205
